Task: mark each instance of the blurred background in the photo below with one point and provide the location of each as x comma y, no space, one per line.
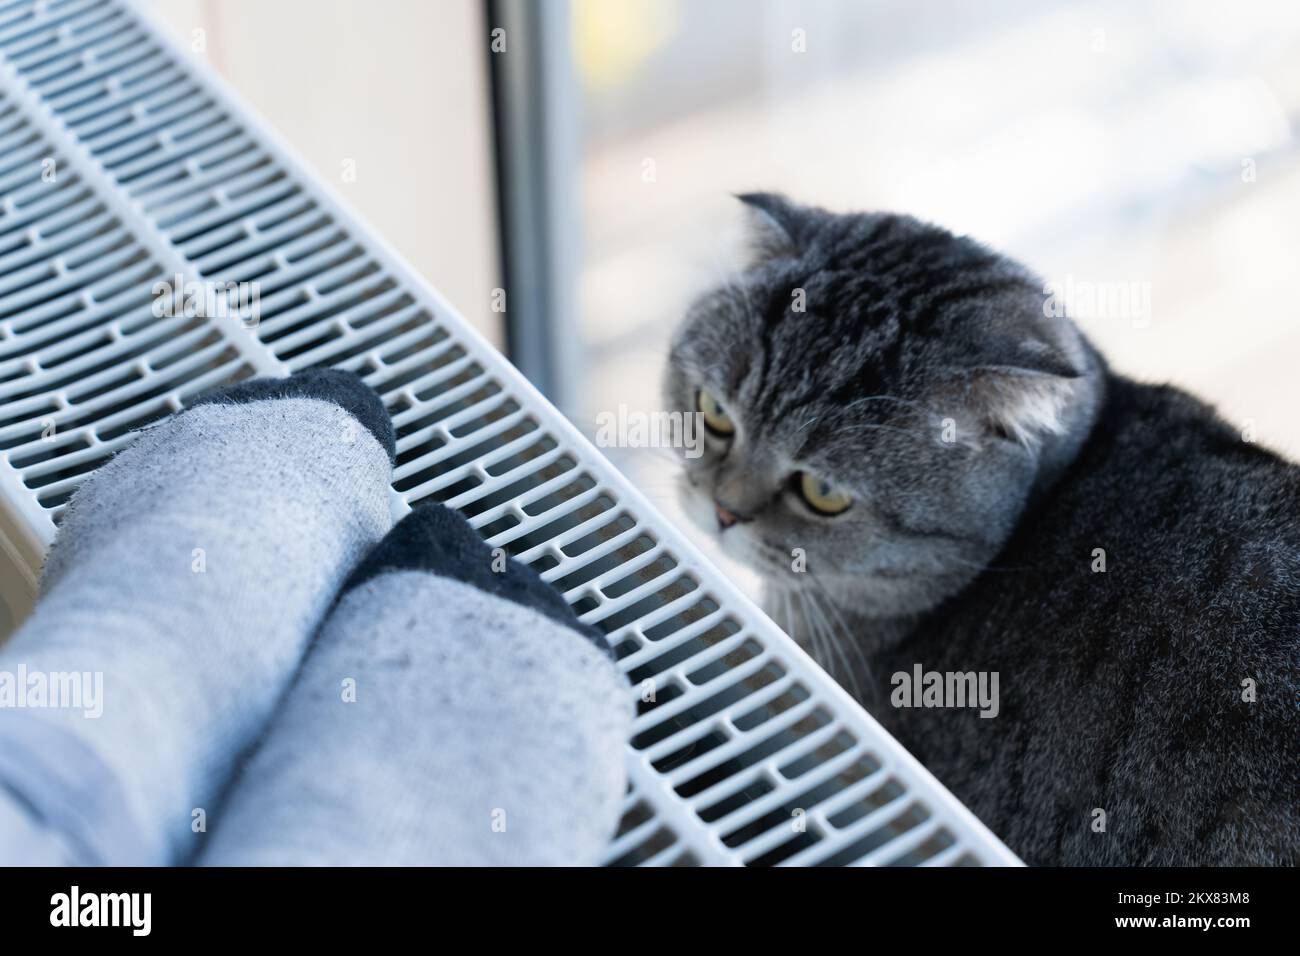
581,156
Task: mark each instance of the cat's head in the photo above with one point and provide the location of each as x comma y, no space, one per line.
881,400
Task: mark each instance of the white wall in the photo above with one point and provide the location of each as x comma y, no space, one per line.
398,87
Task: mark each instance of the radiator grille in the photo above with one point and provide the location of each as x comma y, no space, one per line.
123,165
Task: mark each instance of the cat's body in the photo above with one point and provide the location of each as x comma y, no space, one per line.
1140,592
1121,690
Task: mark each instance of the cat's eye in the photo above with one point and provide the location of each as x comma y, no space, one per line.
822,496
715,416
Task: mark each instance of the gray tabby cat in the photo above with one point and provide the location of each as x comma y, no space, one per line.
975,491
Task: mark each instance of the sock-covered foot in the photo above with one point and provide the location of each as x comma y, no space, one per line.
452,712
177,600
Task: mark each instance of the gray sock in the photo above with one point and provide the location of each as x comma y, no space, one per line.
448,714
188,576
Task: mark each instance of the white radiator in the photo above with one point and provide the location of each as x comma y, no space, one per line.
124,164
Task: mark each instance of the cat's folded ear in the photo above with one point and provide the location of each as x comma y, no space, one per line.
1021,388
775,226
1018,404
1023,350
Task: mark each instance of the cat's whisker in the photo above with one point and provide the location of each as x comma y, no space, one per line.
787,612
849,637
837,642
822,648
807,631
920,406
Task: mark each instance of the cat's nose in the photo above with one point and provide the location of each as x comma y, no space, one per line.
726,517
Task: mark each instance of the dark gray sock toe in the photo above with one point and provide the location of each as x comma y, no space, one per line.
344,389
435,539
